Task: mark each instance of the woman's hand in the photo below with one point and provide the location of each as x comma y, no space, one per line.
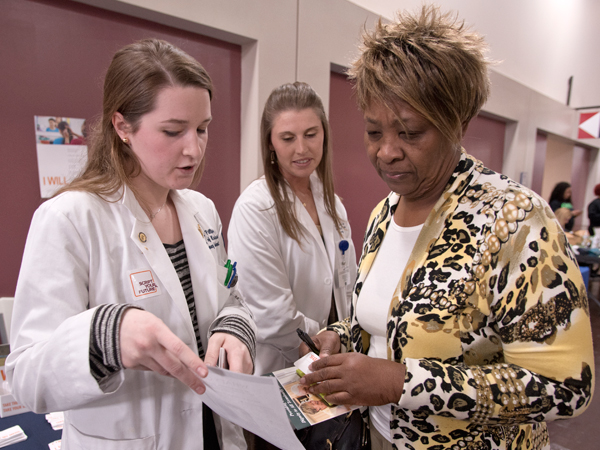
356,379
238,356
328,343
148,344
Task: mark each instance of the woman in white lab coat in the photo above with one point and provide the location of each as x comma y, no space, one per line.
289,232
122,290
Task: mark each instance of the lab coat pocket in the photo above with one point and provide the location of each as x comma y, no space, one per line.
78,440
225,278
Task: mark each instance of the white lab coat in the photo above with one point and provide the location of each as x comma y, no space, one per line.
288,286
81,252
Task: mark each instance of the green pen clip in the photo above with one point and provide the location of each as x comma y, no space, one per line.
229,268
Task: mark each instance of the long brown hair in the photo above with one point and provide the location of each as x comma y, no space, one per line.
295,96
137,73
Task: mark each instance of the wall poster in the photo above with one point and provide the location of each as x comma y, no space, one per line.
61,151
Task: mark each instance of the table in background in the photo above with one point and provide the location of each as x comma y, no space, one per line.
36,427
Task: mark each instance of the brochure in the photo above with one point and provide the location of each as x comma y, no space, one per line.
304,409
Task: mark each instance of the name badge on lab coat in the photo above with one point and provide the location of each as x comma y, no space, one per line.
144,284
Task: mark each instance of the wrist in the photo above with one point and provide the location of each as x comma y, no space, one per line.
398,382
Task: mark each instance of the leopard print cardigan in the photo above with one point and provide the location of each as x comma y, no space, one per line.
490,317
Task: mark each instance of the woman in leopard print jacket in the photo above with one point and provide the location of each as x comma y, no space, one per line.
469,325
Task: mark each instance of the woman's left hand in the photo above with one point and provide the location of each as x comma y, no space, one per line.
238,356
356,379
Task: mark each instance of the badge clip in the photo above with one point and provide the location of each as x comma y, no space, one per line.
344,246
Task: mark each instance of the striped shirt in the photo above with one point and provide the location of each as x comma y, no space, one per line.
105,353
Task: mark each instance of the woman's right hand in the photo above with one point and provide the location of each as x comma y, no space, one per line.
148,344
328,343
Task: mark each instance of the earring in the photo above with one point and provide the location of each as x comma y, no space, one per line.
125,141
272,157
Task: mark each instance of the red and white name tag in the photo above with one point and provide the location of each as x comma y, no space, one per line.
144,284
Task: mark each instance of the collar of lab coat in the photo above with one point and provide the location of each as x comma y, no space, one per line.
201,262
327,248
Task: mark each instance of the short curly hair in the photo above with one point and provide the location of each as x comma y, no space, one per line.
429,60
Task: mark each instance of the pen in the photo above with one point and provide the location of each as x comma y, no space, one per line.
222,362
307,340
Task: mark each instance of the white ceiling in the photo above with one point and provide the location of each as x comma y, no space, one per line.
539,43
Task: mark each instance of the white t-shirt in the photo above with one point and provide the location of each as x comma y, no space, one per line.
375,299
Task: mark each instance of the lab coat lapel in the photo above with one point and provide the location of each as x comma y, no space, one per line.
203,269
327,224
308,224
148,242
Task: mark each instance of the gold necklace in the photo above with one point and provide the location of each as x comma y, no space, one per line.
298,195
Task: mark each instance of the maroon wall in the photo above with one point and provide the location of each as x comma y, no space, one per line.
356,181
484,140
54,56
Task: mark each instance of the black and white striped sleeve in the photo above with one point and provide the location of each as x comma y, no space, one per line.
237,326
105,352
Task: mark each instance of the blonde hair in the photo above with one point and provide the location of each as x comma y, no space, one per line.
136,75
295,96
430,61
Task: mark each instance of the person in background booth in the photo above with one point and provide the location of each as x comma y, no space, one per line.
470,325
561,198
563,215
594,212
120,304
289,232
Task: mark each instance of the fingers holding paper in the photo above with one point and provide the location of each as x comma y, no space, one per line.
356,379
148,344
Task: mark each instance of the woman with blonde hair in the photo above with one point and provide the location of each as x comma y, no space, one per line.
289,232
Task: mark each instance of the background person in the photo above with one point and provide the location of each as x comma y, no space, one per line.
289,232
561,198
119,296
594,213
457,338
563,215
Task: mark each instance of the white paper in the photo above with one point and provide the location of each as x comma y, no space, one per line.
58,165
252,402
12,435
56,420
303,363
55,445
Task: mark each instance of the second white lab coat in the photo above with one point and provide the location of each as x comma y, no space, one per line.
288,286
82,252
